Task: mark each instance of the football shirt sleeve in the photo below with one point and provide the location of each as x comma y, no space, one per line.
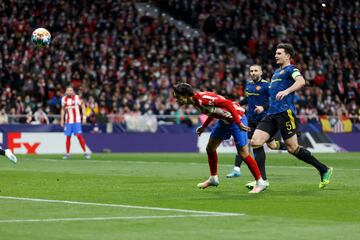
295,73
228,105
208,121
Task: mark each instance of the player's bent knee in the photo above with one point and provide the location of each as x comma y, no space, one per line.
256,142
272,145
243,152
210,148
301,153
292,149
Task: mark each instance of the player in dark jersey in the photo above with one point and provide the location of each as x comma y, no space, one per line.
281,114
257,99
232,122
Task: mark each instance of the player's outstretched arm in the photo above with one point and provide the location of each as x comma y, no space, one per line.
298,84
228,105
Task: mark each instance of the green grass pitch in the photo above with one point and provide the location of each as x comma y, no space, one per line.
112,197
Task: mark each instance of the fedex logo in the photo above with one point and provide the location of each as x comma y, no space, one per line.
14,142
40,143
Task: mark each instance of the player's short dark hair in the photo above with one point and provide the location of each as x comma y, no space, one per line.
183,89
256,65
288,48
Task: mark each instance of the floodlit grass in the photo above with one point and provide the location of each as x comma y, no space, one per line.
292,208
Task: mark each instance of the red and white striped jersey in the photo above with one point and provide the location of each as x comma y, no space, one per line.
216,106
72,108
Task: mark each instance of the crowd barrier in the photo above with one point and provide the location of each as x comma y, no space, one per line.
42,139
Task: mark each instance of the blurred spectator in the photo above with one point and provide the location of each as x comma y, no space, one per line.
122,62
101,117
40,116
92,109
3,116
325,37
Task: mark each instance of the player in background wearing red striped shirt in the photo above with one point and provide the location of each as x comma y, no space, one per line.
70,112
232,122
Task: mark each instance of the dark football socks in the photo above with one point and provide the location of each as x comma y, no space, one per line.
259,154
306,156
238,161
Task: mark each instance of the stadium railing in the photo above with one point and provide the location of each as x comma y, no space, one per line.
162,119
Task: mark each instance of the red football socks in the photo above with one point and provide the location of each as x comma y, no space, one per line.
254,169
213,162
82,142
68,142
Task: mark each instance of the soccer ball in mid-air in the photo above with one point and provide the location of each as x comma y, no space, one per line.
41,37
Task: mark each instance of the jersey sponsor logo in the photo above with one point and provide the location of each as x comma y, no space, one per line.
258,88
221,112
209,97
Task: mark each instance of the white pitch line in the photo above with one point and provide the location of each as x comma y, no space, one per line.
112,218
181,163
122,206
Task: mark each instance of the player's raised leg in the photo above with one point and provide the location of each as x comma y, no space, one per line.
213,164
276,145
306,156
9,154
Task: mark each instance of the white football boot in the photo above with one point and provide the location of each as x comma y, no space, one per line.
259,186
9,154
251,185
213,181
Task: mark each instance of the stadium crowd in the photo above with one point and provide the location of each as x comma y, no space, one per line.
120,62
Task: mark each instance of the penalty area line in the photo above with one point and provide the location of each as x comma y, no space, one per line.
113,218
208,213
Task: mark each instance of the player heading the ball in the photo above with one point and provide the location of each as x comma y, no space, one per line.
232,122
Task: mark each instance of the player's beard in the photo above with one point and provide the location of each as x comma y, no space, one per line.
257,79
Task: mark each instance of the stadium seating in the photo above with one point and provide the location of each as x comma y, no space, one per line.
121,62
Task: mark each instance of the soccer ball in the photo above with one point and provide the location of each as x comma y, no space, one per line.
41,37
